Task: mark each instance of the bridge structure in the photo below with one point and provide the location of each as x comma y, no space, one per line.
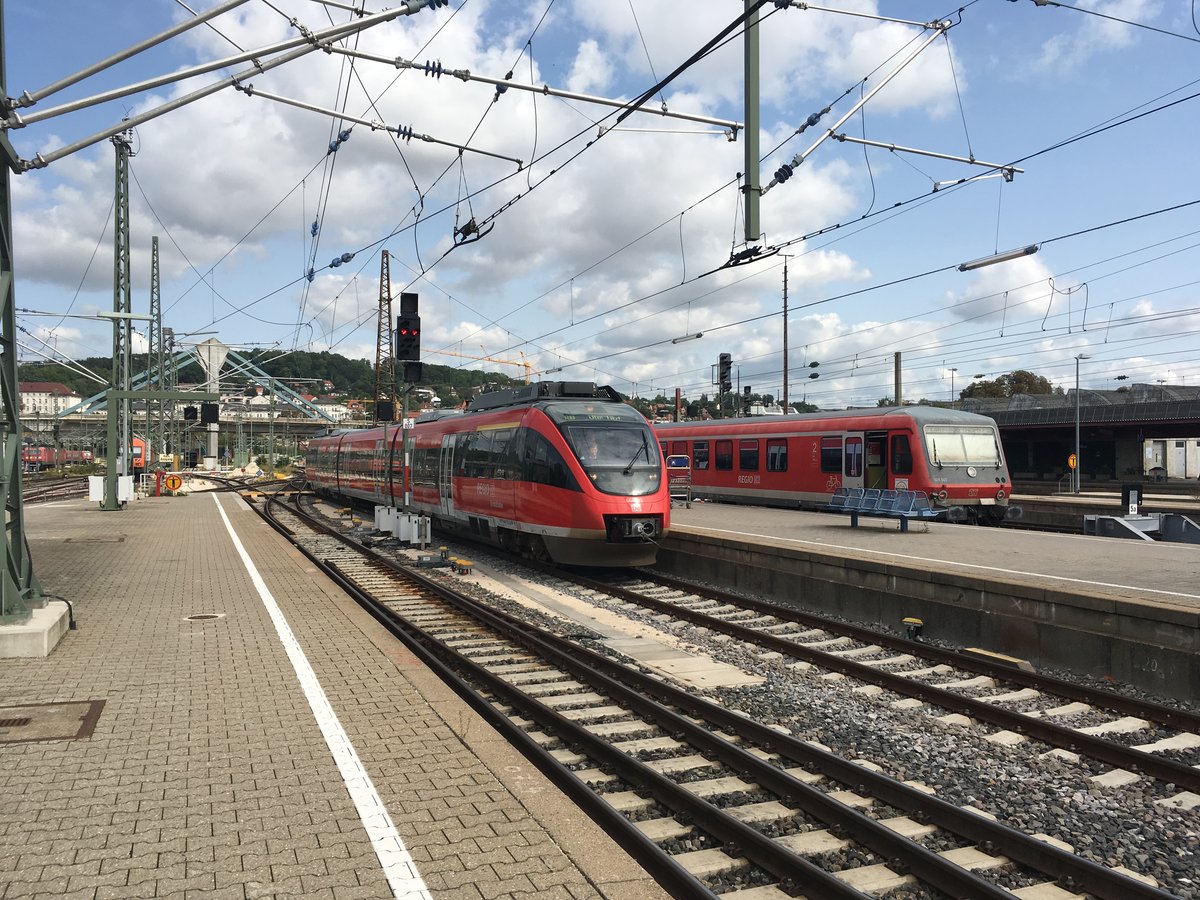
1123,435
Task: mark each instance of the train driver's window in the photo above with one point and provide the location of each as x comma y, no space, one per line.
724,455
831,454
902,461
700,455
854,457
776,455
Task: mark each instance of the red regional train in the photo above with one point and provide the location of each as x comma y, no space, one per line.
561,471
42,457
953,456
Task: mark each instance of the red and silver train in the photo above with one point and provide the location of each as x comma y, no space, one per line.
42,457
562,471
953,456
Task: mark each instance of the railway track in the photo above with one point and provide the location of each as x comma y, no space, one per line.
46,491
710,800
957,687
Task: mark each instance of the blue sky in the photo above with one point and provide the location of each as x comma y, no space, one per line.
601,239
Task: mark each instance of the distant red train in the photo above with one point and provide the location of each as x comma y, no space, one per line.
562,471
43,457
953,456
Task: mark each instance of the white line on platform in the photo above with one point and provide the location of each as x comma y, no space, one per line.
942,562
398,864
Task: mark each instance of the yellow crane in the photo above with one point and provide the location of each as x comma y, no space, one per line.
526,365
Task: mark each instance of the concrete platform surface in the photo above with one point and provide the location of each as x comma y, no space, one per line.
1161,574
283,745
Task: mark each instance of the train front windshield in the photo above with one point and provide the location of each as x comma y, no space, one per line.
958,445
614,445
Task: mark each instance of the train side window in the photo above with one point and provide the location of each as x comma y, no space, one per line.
776,455
700,455
854,457
499,454
724,454
424,467
748,455
902,461
831,454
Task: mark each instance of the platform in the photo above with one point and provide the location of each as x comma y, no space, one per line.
1125,610
229,725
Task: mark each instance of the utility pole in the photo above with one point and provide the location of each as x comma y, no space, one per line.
155,426
118,406
385,366
751,184
19,589
785,336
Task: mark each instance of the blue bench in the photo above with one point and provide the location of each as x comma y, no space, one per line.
900,505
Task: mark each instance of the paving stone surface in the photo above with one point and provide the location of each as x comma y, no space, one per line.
207,774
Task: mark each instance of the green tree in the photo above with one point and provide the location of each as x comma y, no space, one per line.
1010,385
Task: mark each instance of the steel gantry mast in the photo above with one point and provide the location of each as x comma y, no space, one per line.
385,363
155,426
118,453
19,591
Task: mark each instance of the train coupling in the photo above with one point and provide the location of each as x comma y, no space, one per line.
633,528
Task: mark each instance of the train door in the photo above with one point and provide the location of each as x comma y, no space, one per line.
853,474
876,461
445,477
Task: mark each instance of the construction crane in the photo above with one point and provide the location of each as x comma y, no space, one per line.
527,366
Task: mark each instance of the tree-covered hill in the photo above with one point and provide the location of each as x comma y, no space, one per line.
302,371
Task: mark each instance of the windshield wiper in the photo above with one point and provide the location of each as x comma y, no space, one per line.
937,462
640,451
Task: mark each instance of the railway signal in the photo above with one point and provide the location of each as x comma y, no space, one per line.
408,337
725,372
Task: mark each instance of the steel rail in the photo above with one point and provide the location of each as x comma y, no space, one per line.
610,676
1155,712
667,872
739,838
1168,770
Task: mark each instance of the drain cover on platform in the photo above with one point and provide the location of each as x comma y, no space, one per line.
49,721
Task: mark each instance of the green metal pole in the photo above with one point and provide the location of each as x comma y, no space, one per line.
118,409
751,185
19,589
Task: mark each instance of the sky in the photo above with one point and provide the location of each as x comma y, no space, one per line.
564,239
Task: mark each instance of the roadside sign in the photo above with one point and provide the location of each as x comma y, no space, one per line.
173,482
1072,461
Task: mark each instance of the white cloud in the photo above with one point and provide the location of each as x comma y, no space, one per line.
1095,35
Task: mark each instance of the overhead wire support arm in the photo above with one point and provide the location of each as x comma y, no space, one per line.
29,98
306,43
786,170
437,70
1007,170
405,132
784,4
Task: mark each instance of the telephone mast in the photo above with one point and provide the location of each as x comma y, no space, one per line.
385,364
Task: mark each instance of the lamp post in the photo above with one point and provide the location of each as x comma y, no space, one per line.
1078,456
952,399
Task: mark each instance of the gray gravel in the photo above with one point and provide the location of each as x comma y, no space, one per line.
1110,826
